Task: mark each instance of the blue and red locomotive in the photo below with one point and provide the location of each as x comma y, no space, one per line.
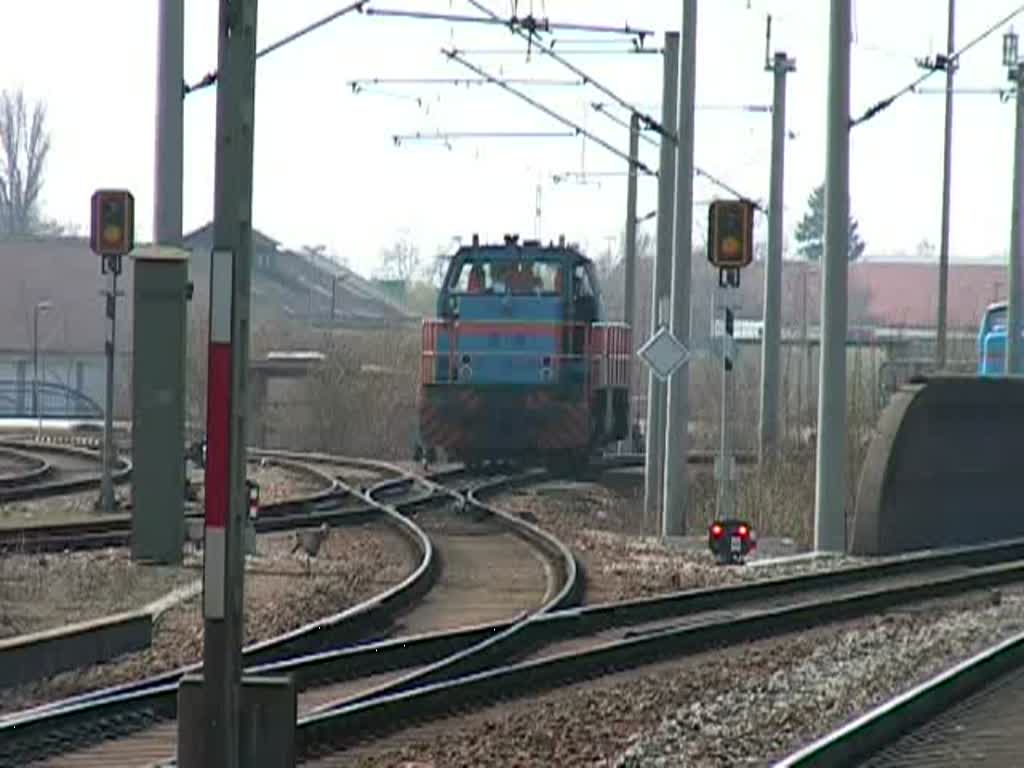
520,364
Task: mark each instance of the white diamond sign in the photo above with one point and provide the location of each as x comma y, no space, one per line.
664,353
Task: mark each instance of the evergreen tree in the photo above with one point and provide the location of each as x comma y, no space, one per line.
810,232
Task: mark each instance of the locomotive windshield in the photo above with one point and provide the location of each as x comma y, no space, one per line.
538,277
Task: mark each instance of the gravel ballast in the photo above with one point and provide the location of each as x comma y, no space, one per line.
745,705
602,528
43,591
284,590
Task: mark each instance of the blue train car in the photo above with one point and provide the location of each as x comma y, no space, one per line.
992,340
520,363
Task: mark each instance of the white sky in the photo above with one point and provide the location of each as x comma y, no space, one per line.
327,171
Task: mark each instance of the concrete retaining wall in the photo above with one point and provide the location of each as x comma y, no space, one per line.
27,658
945,468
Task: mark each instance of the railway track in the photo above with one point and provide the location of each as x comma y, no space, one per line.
329,503
20,468
602,639
578,643
968,714
572,645
54,470
474,566
431,670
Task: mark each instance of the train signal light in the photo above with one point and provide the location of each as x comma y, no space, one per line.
731,540
731,234
112,230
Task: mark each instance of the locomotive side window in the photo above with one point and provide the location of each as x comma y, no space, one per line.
581,280
584,298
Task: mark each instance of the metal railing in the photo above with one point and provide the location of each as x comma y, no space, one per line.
54,401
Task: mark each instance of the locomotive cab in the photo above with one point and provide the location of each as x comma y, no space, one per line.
519,361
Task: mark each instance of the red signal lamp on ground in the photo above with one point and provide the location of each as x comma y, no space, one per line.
731,541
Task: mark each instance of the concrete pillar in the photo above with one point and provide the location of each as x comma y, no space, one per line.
267,722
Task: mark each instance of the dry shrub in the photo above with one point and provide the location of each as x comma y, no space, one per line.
363,401
778,497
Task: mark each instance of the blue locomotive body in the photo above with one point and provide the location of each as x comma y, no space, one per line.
520,363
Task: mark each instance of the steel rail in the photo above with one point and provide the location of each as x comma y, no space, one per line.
499,644
56,487
115,530
121,710
30,468
404,652
331,730
137,705
856,741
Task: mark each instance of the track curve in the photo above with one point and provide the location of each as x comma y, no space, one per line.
461,525
21,468
71,469
144,711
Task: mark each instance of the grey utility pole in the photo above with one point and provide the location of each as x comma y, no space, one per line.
167,198
947,154
771,341
107,500
654,464
830,491
1013,320
230,278
726,465
677,432
629,300
37,411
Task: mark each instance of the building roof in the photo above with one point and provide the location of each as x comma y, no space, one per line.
888,293
65,272
882,294
286,284
302,285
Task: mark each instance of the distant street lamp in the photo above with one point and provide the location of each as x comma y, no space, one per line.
40,307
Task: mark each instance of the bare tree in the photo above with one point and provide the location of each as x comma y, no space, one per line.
401,261
24,145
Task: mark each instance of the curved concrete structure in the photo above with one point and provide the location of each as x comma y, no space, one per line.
945,467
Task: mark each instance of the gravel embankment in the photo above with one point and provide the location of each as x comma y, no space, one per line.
280,595
68,508
603,528
739,706
38,592
276,483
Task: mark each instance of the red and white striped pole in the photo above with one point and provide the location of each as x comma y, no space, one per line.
228,361
218,434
